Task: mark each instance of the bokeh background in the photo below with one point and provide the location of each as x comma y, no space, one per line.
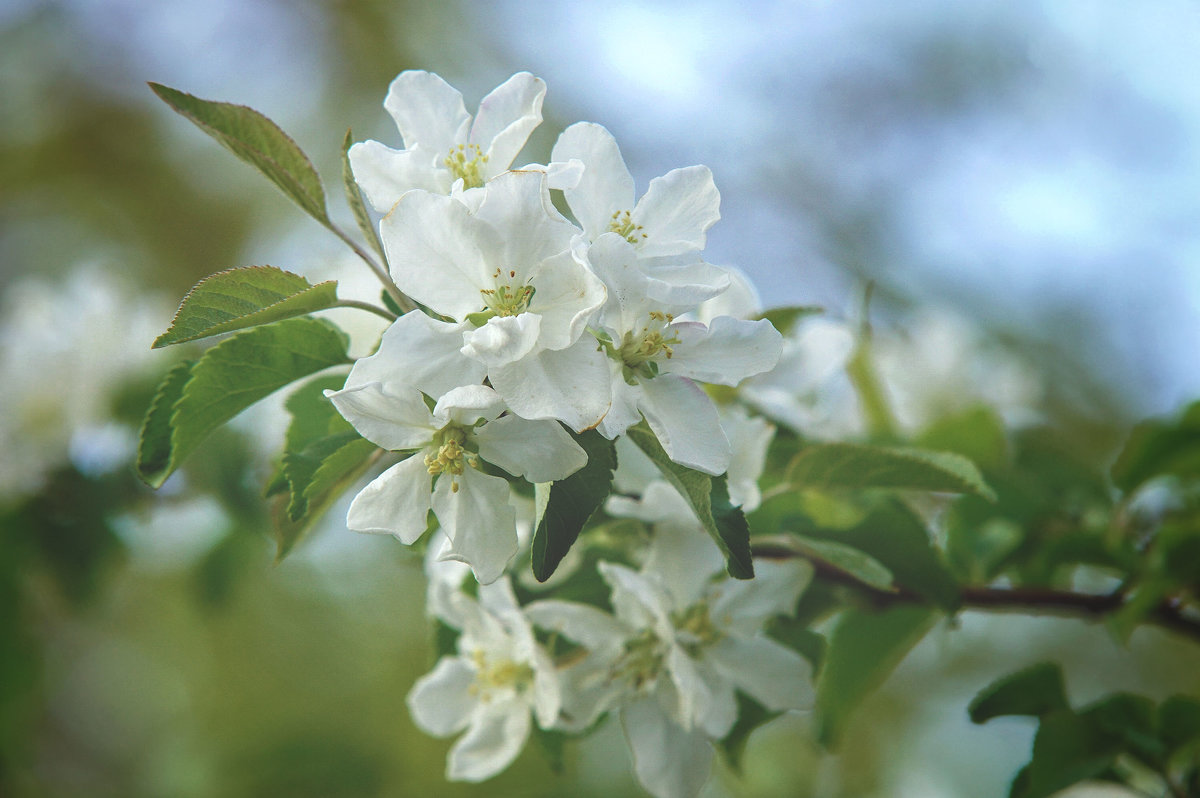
1017,179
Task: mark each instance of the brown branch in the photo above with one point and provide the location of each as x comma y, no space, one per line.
1036,600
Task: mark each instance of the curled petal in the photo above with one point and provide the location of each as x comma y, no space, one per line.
503,339
420,352
571,385
394,420
385,174
677,211
605,187
467,404
505,119
428,110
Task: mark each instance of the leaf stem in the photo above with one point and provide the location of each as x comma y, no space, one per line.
354,303
403,302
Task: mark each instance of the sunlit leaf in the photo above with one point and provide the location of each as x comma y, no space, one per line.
850,465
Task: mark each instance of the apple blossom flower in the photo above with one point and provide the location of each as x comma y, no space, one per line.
672,218
465,426
678,646
653,359
444,147
500,677
507,273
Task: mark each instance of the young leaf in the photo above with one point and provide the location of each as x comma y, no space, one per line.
857,564
571,502
316,478
239,298
355,201
863,649
1160,447
851,465
259,142
1038,690
1066,749
709,498
227,379
1179,722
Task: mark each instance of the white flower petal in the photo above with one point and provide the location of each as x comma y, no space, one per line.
467,404
505,119
606,187
566,296
385,174
581,623
684,284
539,451
681,554
614,261
571,385
749,436
497,734
441,702
691,691
743,606
421,352
725,352
428,111
479,520
740,300
396,502
517,205
439,254
503,339
394,420
639,601
722,711
686,423
677,211
547,688
769,672
668,762
624,412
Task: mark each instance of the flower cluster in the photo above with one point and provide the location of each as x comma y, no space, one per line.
530,329
528,321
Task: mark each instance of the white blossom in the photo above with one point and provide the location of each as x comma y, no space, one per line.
444,147
464,427
671,219
654,358
499,678
678,646
507,274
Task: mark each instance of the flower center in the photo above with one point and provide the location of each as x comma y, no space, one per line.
641,661
505,299
449,456
498,674
466,161
622,224
696,629
640,350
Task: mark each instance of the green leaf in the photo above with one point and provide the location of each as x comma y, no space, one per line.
709,498
851,465
227,379
1067,749
864,648
570,502
154,444
847,559
1179,722
1037,690
785,318
977,434
316,478
259,142
355,201
1133,720
896,538
1158,447
238,298
861,371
